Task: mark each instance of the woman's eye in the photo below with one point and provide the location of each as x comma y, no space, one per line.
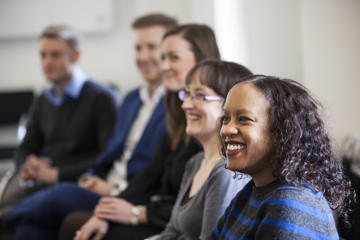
225,119
174,57
244,119
199,96
186,93
151,46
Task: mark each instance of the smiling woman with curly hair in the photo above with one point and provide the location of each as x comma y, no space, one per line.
271,130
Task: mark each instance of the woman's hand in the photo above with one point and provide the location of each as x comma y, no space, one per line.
94,227
114,209
96,185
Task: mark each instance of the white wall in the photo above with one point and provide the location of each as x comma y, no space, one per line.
316,42
313,41
274,37
105,57
331,60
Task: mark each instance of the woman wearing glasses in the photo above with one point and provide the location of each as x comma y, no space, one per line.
207,186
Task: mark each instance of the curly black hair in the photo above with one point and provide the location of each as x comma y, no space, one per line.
302,148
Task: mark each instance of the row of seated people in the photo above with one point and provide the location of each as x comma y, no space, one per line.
162,174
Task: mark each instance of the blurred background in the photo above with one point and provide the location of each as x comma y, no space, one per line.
316,42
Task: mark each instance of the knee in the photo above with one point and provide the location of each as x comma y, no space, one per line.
57,192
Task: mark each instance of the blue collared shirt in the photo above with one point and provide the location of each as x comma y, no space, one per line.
72,89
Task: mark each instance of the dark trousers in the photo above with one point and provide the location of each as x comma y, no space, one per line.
40,215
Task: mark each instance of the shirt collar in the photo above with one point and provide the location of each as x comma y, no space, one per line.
72,89
155,98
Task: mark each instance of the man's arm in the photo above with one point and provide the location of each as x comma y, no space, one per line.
33,140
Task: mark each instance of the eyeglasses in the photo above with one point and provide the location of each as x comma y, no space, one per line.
183,94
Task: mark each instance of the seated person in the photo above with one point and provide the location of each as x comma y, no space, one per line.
138,132
207,186
144,208
142,115
271,130
71,121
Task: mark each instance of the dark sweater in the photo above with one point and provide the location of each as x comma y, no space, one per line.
158,184
72,134
277,211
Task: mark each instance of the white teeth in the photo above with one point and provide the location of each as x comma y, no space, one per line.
192,117
232,147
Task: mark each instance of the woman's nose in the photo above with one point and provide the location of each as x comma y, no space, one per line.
187,103
228,130
164,65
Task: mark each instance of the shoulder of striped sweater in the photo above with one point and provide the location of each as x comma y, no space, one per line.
288,190
302,194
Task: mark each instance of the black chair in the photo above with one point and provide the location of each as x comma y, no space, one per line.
13,105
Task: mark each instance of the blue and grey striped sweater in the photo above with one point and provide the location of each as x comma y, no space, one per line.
277,211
